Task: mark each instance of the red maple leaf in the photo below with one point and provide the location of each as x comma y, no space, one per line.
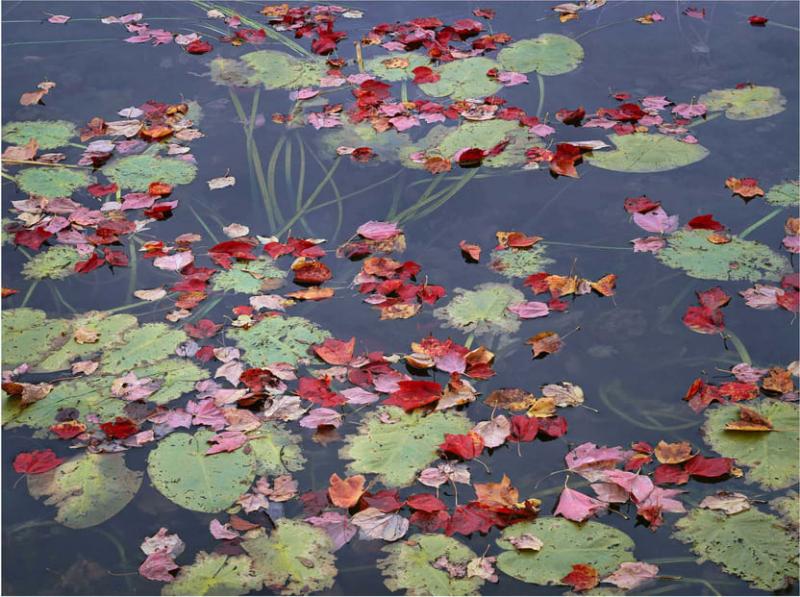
36,462
413,394
465,446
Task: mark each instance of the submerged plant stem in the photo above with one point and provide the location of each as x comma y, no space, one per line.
741,349
29,293
756,225
540,107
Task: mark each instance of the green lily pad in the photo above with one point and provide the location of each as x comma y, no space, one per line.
230,72
462,79
249,277
514,263
387,145
278,339
549,54
409,566
397,452
565,543
52,182
214,574
49,134
277,70
788,506
785,194
646,152
446,141
482,311
747,103
751,545
276,451
294,559
179,468
771,455
28,335
87,489
136,172
377,67
143,345
691,251
56,263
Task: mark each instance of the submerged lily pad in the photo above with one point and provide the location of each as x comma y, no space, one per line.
387,145
215,574
772,456
747,103
249,277
229,71
49,134
377,65
136,172
296,558
52,182
397,452
520,263
276,451
56,263
785,194
646,152
752,545
483,310
278,339
739,259
549,54
565,543
462,79
409,566
87,489
278,70
181,471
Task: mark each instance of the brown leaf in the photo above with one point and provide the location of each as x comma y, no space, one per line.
545,343
673,453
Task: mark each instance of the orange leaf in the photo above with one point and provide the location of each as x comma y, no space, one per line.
346,492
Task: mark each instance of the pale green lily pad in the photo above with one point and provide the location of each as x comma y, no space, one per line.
785,194
483,310
520,263
462,79
28,335
646,152
446,141
691,251
772,456
141,346
549,54
387,145
55,263
136,172
409,566
397,452
278,70
294,559
276,451
278,339
230,72
52,182
249,277
87,489
752,545
748,103
214,574
565,543
377,67
180,469
788,506
49,134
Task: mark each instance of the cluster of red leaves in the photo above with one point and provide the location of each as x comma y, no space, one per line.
707,318
776,381
561,286
452,358
307,21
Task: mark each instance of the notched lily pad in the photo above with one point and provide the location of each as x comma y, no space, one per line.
397,452
278,70
55,263
462,79
278,339
52,182
215,574
483,310
276,451
229,71
785,194
691,251
549,54
646,152
380,65
49,134
747,103
136,172
521,263
249,277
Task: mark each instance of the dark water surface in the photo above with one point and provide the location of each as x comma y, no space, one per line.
632,350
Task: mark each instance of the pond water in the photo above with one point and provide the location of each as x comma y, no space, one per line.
631,353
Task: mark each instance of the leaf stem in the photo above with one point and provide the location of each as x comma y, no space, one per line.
756,225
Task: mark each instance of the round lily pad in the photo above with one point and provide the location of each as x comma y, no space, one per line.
49,134
380,66
646,152
215,574
278,339
397,452
462,79
565,543
147,344
549,54
409,566
180,469
785,194
747,103
276,451
56,263
483,310
691,251
249,277
278,70
136,172
752,545
513,263
229,71
772,456
52,182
